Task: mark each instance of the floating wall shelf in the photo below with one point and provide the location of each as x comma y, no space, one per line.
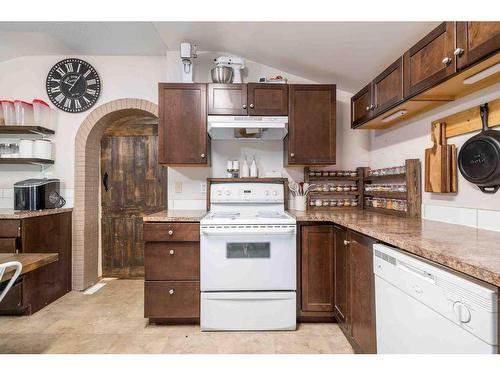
21,129
33,161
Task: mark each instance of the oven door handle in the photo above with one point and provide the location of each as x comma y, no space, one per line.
246,231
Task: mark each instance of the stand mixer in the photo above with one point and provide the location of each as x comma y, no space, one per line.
235,63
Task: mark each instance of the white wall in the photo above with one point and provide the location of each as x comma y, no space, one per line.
24,78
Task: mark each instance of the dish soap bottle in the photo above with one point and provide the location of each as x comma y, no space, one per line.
245,170
253,168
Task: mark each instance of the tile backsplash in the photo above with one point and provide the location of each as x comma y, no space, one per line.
471,217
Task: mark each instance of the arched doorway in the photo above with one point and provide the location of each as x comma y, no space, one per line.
88,181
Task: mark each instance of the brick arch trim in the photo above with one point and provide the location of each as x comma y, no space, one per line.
86,206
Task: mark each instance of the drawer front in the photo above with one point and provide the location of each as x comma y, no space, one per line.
10,228
172,299
7,245
154,232
172,261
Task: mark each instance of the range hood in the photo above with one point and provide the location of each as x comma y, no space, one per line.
266,128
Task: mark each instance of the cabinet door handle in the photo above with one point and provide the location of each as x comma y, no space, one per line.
244,106
367,107
346,242
171,252
170,232
447,60
251,105
458,51
292,155
372,106
171,291
202,156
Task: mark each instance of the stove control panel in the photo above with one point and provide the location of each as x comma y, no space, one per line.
247,192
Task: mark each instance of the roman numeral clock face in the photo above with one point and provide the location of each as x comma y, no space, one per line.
73,85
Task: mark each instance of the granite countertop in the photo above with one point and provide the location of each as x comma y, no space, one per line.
11,214
475,252
176,215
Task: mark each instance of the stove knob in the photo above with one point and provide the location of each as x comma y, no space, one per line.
462,312
266,193
275,193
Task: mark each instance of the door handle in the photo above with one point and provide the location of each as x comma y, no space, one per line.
105,181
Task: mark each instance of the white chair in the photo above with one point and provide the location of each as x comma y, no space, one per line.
3,267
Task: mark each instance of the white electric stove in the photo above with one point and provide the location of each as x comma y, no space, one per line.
248,259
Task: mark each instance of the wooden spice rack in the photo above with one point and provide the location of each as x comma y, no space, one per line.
412,196
348,180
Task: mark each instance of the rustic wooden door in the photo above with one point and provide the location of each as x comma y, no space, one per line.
267,99
362,292
133,185
476,40
227,99
312,125
317,268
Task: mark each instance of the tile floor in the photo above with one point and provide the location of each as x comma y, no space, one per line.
111,321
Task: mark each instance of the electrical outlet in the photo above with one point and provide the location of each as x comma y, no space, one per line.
203,188
178,187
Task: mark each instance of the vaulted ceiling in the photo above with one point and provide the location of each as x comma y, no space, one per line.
346,53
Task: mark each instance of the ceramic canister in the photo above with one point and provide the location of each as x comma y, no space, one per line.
26,148
42,149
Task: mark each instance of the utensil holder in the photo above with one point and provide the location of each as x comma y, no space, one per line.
300,203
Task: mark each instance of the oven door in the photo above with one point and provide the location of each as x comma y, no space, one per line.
248,258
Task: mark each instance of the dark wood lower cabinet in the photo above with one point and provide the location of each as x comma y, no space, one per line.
41,234
317,272
172,299
341,273
172,269
361,290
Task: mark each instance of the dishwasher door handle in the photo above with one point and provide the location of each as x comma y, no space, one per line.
424,275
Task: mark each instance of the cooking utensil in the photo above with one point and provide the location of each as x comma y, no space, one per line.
439,165
222,74
479,157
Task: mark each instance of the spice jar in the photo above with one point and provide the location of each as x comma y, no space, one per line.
318,203
354,187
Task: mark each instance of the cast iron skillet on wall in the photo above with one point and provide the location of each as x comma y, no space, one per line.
479,157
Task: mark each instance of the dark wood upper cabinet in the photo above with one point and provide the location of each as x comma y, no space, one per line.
227,99
317,249
362,292
340,275
476,40
361,106
387,88
431,60
182,129
267,99
254,99
311,136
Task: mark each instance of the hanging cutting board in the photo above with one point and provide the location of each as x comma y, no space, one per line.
440,163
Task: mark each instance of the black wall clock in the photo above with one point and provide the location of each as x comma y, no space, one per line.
73,85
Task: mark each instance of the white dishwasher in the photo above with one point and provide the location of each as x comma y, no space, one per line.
421,308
